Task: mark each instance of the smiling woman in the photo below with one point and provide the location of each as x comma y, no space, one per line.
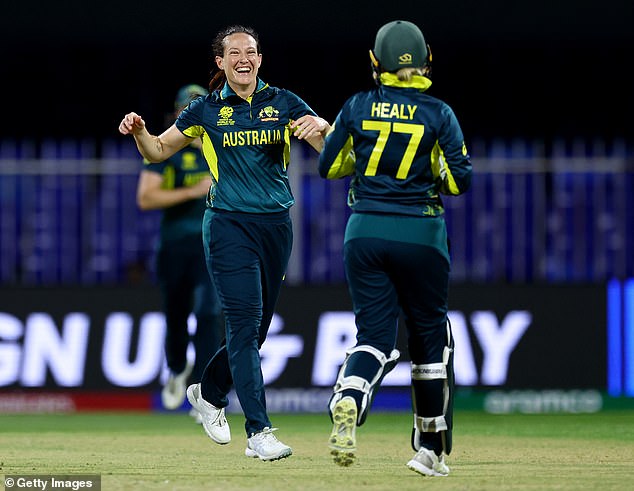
237,55
245,127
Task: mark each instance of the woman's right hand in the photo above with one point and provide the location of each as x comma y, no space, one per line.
131,124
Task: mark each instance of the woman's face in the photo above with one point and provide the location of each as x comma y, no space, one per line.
241,60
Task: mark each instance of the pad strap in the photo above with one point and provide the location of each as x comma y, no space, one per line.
366,387
353,382
430,371
431,425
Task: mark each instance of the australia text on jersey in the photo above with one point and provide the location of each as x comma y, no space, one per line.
252,137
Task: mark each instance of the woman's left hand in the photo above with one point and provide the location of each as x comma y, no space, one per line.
308,126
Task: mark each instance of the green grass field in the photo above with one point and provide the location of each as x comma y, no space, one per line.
169,452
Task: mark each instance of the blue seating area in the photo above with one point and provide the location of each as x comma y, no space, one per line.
563,214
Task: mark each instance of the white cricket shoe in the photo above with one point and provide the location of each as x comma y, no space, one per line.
173,393
426,462
265,446
212,418
342,442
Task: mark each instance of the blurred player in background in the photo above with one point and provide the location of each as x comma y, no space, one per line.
178,186
246,126
403,148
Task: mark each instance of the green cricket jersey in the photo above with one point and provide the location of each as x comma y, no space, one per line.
247,145
402,147
185,168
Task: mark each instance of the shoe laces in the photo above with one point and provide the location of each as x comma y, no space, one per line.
220,419
266,435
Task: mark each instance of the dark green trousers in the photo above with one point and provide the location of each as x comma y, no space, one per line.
400,264
247,254
393,264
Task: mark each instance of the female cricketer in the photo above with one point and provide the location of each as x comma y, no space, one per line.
245,126
403,149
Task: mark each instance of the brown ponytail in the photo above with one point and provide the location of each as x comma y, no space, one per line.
217,80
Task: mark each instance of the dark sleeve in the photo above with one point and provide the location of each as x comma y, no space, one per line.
158,167
189,121
297,107
337,159
457,176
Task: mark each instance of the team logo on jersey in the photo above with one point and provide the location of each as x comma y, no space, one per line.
405,58
224,116
269,113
